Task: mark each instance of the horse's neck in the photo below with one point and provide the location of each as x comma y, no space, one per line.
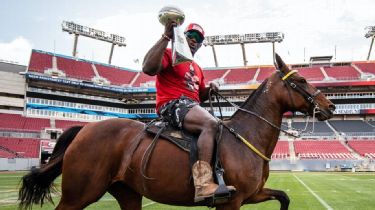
258,132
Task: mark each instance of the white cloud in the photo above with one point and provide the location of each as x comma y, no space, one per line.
316,26
18,50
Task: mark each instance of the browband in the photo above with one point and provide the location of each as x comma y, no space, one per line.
288,74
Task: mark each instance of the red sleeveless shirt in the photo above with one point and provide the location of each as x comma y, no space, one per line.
174,81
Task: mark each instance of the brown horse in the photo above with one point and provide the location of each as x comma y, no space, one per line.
106,156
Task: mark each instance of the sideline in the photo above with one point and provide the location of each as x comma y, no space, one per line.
314,194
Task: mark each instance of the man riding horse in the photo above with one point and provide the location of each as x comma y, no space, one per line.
179,90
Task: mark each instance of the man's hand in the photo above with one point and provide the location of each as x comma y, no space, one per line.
214,86
168,30
204,93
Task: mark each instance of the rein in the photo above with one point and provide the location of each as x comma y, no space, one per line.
247,111
246,142
309,97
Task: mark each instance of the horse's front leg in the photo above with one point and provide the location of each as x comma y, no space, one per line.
268,194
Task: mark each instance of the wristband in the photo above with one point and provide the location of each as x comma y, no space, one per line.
166,37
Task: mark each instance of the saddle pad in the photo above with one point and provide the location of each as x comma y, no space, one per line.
175,136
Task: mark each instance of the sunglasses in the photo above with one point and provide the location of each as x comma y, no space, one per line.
194,35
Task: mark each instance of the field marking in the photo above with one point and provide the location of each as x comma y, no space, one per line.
15,176
148,204
314,194
8,191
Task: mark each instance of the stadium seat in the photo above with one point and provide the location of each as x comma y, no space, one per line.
240,75
342,72
306,149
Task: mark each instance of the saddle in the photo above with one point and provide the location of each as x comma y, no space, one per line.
188,143
176,136
183,140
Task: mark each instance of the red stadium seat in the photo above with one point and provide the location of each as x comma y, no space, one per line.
363,147
39,62
321,150
240,75
281,150
210,75
27,148
19,122
143,78
75,68
115,75
342,72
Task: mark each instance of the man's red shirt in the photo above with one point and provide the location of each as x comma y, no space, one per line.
174,81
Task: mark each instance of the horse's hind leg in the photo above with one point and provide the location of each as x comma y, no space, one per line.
80,187
126,197
77,196
268,194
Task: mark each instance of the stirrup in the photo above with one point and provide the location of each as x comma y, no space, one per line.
222,193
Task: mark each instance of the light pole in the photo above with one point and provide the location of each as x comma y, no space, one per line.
76,29
370,34
242,39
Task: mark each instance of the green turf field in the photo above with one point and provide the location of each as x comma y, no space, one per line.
307,190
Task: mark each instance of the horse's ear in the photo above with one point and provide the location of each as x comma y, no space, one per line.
280,65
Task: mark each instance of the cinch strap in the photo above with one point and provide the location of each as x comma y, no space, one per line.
288,74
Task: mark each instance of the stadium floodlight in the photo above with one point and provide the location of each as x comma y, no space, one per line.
370,31
242,39
76,29
370,34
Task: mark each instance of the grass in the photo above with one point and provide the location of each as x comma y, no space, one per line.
338,190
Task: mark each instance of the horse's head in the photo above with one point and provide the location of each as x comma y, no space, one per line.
298,95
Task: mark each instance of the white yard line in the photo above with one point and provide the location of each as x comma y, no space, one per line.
314,194
15,176
148,204
112,199
7,191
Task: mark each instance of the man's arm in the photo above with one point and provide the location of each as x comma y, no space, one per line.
152,61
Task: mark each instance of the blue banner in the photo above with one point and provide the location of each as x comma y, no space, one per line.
90,112
91,85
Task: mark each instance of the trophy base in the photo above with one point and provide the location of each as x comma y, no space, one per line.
178,58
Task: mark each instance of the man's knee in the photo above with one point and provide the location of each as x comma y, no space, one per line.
211,124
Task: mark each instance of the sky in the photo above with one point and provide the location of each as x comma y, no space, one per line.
311,28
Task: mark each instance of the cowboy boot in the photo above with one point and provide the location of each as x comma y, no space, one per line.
203,181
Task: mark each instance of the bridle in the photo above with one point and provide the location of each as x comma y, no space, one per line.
285,78
308,96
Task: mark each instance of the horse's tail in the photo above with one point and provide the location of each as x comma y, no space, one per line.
37,185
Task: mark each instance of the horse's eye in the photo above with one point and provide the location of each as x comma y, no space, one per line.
303,81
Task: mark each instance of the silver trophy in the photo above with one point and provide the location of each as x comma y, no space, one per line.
180,48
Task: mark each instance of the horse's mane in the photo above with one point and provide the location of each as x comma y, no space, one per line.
251,99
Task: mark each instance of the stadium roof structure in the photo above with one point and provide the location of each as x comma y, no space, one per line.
12,67
320,60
